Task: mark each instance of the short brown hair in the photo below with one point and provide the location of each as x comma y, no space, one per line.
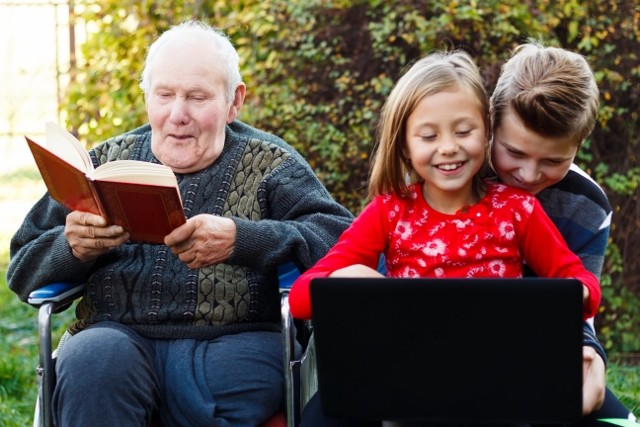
552,90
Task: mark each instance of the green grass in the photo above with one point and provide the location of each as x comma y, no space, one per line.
17,366
19,348
18,323
624,381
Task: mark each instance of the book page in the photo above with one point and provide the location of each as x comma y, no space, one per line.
135,172
67,147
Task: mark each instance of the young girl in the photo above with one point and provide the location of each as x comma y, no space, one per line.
431,212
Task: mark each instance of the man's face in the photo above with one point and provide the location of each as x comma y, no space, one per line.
529,161
187,106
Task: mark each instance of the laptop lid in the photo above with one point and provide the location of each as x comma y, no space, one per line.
481,350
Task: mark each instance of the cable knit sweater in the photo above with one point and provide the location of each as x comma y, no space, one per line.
282,213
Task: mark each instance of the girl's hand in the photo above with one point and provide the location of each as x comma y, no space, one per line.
585,294
356,270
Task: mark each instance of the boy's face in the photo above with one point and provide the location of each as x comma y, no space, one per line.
529,161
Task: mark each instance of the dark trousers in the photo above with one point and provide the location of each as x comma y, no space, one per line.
108,375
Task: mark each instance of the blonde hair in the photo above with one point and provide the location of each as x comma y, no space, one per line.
552,90
434,73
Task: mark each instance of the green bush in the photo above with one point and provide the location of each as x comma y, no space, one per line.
318,72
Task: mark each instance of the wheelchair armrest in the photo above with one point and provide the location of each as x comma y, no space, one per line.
60,295
287,274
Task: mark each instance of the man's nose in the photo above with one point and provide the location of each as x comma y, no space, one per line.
179,111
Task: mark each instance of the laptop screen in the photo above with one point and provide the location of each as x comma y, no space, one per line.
480,350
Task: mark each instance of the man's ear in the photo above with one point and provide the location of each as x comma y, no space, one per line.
236,105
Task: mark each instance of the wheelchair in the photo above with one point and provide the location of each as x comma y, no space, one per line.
300,376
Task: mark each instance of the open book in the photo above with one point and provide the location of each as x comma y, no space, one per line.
142,197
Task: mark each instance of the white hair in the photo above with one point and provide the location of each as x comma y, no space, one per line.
219,44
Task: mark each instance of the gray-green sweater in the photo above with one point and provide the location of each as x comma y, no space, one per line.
282,213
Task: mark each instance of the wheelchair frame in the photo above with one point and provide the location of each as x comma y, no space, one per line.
300,376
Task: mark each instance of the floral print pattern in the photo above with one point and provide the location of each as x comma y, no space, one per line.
479,241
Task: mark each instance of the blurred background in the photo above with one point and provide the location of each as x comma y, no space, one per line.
35,46
317,72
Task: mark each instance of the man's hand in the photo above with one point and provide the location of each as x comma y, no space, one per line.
593,380
203,241
89,236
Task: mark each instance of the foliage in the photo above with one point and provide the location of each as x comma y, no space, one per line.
18,388
318,72
18,320
17,367
607,33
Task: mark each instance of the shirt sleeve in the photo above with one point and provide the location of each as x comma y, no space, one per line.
546,252
40,253
580,209
301,221
589,339
362,243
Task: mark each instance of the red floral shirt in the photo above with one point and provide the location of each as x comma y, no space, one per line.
488,239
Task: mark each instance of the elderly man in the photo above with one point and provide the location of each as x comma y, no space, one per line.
187,331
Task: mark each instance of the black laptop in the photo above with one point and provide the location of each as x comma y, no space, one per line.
449,350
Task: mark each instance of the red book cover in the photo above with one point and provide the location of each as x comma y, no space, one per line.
148,212
66,184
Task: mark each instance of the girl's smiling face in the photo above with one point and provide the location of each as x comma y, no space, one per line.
446,144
